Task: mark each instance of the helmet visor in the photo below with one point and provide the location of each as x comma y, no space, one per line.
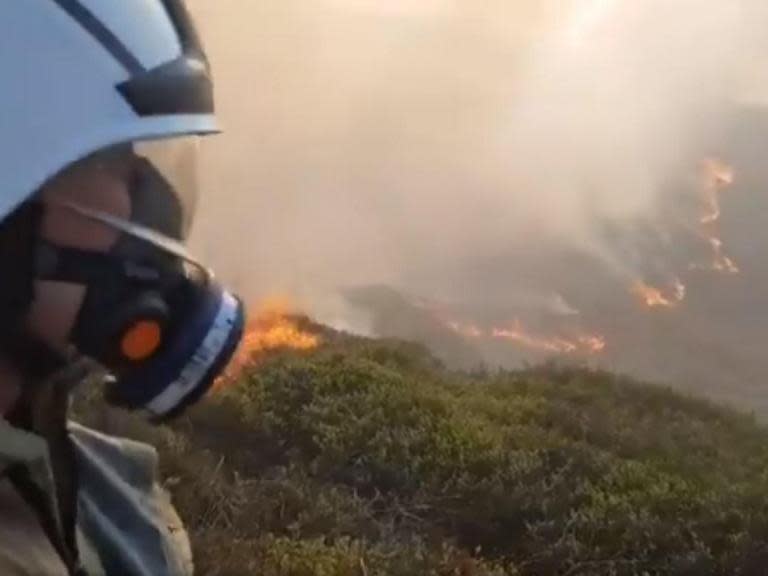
149,186
164,185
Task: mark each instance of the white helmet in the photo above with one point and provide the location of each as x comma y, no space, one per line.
102,72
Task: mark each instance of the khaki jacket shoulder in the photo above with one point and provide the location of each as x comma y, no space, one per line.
118,480
25,549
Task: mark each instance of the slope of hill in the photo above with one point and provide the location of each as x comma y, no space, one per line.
367,457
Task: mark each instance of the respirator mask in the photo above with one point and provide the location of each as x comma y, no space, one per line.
151,314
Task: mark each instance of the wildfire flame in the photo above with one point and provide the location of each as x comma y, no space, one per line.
518,334
717,177
582,344
593,343
654,297
274,326
468,331
721,262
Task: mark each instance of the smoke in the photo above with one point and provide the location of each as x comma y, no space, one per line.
499,159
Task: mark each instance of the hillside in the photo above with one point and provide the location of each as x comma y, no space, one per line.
367,457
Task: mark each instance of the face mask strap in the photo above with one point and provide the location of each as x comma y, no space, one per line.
136,231
18,235
72,265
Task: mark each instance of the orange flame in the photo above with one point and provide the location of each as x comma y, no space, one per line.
274,326
717,177
519,335
468,331
721,262
654,297
582,344
593,344
589,344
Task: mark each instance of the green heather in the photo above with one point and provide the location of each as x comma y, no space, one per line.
368,457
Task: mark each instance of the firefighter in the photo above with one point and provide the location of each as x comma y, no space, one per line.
102,107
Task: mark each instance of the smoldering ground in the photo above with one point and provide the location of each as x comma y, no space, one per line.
498,162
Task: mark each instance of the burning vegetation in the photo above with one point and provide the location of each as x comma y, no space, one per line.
654,297
275,325
716,177
518,334
586,344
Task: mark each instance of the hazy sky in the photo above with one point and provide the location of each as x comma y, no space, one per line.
391,140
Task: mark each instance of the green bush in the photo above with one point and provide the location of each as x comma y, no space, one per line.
369,457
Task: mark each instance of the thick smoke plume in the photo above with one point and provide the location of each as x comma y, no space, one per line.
492,163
